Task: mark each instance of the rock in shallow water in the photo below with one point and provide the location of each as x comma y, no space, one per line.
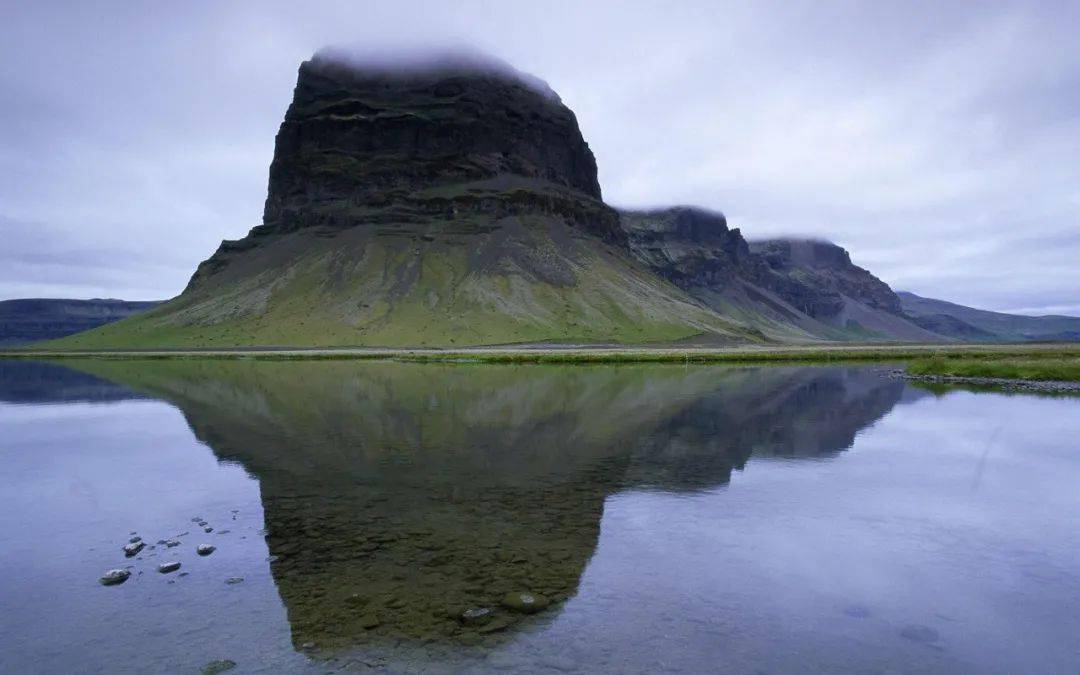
476,616
165,568
219,666
205,549
528,603
114,577
133,548
917,633
234,580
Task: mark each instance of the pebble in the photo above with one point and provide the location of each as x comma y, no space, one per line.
205,549
234,580
171,543
134,540
208,530
165,568
114,577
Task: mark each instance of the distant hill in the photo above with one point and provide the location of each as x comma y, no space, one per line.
968,323
33,319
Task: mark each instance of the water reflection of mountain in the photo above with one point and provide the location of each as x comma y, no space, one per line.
403,494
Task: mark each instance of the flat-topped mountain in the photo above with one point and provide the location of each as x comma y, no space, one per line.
32,319
449,201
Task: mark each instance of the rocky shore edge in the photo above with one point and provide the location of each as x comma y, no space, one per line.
1004,383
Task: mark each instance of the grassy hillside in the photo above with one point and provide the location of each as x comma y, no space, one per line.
532,279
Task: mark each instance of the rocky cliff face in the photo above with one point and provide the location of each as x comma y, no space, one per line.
823,274
456,140
690,246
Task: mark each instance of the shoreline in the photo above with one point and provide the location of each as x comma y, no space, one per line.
581,354
1004,383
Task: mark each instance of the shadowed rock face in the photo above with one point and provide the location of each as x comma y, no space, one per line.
397,496
691,247
823,275
457,139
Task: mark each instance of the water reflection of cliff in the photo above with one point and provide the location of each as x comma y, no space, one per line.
398,495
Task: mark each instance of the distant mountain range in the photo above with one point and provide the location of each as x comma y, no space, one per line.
33,319
979,325
453,201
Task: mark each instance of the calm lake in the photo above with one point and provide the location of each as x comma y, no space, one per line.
380,515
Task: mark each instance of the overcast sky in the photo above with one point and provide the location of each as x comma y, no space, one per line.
938,142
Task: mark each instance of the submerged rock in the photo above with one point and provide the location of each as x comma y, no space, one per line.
165,568
219,666
133,548
528,603
369,621
232,581
205,549
476,616
917,633
114,577
172,543
134,540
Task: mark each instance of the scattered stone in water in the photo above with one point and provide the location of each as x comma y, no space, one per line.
219,666
269,558
208,530
917,633
205,549
165,568
171,543
183,574
196,519
114,577
232,581
501,623
308,645
528,603
223,531
133,548
476,616
134,540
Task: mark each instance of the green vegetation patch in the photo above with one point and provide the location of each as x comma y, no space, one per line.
1047,369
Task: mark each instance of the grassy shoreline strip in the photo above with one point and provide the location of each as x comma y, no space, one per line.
1040,370
922,353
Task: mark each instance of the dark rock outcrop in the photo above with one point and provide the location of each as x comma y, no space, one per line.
456,139
821,275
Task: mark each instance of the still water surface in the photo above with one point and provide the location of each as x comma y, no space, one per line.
702,519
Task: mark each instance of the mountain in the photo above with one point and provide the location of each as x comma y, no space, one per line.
446,200
32,319
788,289
967,323
450,200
